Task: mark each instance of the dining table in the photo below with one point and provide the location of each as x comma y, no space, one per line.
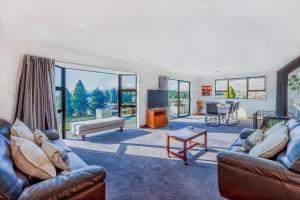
224,109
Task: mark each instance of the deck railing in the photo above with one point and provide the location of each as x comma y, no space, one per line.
263,118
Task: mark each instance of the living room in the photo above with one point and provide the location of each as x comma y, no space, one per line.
149,100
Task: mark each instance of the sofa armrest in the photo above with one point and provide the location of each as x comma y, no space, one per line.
258,166
52,134
67,185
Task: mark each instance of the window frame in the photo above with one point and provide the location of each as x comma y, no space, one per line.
247,86
63,86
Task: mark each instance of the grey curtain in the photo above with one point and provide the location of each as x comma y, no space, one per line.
36,93
163,82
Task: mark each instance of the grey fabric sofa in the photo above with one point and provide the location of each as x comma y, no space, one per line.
241,176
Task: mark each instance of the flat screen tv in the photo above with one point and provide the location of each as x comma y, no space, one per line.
157,98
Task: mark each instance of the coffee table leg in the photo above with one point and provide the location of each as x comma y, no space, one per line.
168,146
184,153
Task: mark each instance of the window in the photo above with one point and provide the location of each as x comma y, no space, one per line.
86,95
241,88
237,89
221,88
257,88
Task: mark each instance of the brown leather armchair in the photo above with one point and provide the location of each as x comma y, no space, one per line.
83,182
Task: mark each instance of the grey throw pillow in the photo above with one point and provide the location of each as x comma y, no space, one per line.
291,157
52,134
272,144
252,140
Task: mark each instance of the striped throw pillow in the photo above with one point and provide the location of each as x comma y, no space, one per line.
252,140
57,155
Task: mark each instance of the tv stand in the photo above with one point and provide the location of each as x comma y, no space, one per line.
157,118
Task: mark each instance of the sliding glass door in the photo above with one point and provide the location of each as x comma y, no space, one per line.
184,98
173,99
128,99
179,98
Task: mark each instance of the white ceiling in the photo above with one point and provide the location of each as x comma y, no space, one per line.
186,36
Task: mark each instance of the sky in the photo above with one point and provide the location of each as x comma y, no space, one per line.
91,80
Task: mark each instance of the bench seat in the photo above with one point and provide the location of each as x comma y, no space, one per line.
97,125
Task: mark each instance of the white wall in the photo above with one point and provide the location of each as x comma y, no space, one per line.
248,106
12,50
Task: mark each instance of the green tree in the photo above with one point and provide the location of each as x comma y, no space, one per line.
294,83
97,100
69,107
230,94
114,95
107,95
80,99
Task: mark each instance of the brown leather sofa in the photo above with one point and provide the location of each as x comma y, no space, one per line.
244,177
83,182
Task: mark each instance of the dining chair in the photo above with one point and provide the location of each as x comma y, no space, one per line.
212,117
232,110
236,110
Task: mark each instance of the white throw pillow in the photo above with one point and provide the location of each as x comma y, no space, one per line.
272,144
40,137
273,129
57,155
20,129
30,159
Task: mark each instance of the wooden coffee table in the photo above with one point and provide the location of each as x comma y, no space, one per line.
186,136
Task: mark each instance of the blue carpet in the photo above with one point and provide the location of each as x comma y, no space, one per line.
138,168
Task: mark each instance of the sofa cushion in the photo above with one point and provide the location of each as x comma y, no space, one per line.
62,145
272,144
237,149
75,161
291,157
238,142
20,129
252,140
292,123
30,159
273,129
